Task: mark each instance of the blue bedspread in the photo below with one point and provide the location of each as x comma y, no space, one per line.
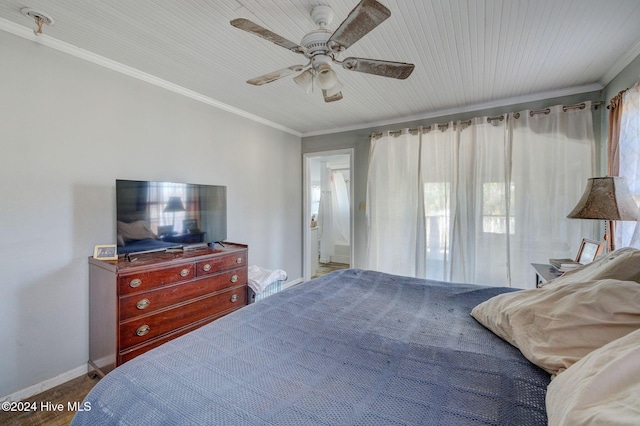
352,348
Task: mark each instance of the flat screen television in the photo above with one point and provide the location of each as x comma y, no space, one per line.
153,216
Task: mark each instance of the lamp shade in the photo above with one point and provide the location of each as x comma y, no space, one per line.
335,89
305,80
606,198
327,77
174,205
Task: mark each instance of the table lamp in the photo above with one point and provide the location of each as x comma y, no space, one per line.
174,205
606,198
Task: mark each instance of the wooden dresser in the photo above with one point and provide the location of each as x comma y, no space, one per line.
136,306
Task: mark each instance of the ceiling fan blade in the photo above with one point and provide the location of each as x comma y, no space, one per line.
332,98
252,27
273,76
399,70
367,15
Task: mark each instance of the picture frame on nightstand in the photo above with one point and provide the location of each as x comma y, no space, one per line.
190,226
105,252
589,250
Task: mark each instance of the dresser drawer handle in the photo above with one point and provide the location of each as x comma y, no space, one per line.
234,279
206,267
234,298
142,330
184,272
135,283
143,304
239,260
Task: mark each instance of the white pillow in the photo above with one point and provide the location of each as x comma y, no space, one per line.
555,326
603,388
138,230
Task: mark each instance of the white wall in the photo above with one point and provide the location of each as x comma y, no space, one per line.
68,129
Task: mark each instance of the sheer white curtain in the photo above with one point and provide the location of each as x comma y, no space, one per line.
438,177
392,204
340,205
628,233
552,158
492,197
325,214
483,221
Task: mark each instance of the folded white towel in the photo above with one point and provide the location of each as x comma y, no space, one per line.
260,278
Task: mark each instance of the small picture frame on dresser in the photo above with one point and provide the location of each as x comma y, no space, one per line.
105,252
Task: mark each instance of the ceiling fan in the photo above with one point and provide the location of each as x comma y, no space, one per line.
322,47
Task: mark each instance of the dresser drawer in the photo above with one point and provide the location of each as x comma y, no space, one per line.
144,303
134,351
142,281
215,264
139,350
142,329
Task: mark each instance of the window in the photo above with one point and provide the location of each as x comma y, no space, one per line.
466,222
494,208
629,148
436,209
159,195
315,200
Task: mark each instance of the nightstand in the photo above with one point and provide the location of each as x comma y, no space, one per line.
544,273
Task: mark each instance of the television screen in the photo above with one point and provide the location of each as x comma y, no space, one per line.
158,215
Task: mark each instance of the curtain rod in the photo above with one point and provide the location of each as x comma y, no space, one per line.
428,128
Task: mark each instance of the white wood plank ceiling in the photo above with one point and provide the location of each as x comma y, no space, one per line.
467,53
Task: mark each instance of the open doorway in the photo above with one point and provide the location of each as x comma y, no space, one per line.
328,212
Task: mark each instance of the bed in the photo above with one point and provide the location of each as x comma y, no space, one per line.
137,237
352,347
359,347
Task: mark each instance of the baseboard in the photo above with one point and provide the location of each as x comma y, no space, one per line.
291,283
46,384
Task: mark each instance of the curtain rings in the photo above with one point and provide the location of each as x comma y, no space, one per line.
545,111
579,106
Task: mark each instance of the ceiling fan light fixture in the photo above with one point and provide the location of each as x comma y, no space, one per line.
305,81
327,77
337,88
